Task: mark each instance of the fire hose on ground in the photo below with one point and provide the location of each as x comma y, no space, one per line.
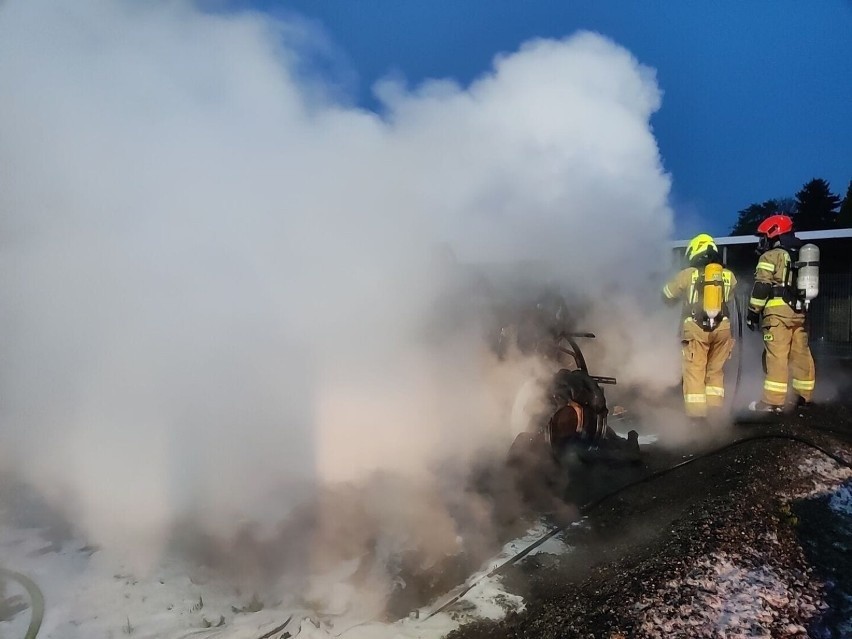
589,507
36,600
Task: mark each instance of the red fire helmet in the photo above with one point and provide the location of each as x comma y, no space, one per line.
775,225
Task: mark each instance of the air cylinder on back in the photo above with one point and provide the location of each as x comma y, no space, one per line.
713,291
807,281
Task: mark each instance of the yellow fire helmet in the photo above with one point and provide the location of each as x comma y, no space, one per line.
700,244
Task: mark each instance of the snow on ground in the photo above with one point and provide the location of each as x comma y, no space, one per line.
833,483
483,596
89,593
841,500
730,601
829,480
825,473
736,596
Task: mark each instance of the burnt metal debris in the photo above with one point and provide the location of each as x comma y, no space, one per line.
574,422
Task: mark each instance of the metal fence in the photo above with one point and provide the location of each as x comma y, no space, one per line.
831,317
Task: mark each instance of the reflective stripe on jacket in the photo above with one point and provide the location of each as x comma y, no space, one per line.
772,273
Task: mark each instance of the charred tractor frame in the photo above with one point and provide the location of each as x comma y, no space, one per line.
573,425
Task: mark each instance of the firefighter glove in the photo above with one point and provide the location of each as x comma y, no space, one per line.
752,320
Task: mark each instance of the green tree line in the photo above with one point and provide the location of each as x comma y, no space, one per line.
813,208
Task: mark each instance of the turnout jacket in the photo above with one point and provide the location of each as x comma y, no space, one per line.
772,277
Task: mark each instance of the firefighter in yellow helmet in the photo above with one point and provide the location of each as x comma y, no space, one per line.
776,297
704,288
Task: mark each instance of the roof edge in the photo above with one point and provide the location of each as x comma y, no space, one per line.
829,234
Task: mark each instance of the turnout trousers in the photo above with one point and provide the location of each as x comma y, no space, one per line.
786,353
704,357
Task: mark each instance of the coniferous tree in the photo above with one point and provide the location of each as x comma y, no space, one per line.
816,207
751,216
786,206
844,216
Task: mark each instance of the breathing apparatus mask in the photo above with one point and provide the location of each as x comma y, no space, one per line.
763,244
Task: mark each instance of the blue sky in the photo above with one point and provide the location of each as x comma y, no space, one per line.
757,95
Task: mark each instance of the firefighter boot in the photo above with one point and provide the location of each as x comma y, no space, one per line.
763,407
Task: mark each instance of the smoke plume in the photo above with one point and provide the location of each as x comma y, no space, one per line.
219,282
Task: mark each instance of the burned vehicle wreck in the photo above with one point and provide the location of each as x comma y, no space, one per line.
571,425
524,312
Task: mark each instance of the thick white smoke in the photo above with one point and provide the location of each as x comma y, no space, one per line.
216,281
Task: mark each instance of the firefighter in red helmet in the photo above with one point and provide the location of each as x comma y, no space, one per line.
779,310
